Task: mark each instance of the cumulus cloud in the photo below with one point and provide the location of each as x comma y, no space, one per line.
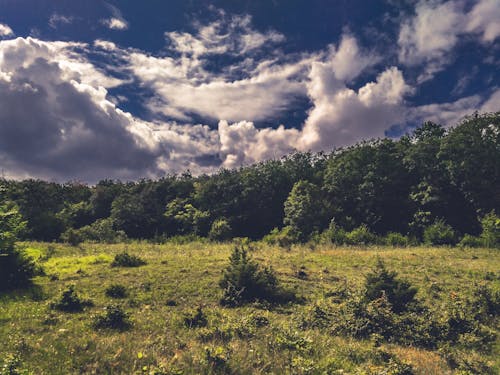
242,143
342,116
5,30
57,122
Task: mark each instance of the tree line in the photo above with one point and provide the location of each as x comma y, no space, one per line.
437,183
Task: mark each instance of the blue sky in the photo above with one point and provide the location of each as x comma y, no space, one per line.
128,89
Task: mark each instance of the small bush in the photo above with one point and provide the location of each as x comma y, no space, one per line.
381,281
470,241
70,301
198,319
491,230
285,237
439,233
113,318
126,260
396,240
220,230
116,291
72,237
99,231
244,281
335,234
360,236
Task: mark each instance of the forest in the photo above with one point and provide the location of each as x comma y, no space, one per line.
436,185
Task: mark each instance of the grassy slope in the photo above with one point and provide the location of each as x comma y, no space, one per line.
51,342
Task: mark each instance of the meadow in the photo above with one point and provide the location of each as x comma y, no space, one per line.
176,325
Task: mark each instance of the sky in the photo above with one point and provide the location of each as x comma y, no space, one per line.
93,90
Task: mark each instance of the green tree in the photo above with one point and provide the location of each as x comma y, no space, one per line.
381,281
304,209
16,270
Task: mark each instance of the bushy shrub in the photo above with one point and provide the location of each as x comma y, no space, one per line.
198,319
116,291
70,301
16,269
72,237
245,281
285,237
491,230
396,240
220,230
470,241
439,233
335,234
360,236
381,281
99,231
126,260
113,318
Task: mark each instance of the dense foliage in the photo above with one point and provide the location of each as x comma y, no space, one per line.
436,185
16,270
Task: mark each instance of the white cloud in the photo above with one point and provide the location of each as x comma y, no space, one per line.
242,143
341,116
5,30
429,37
227,35
56,121
349,61
484,19
117,21
251,88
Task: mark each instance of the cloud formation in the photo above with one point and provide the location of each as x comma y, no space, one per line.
431,34
58,119
116,22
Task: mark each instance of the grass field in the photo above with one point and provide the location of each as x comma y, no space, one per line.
253,339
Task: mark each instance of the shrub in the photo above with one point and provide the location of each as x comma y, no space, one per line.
126,260
284,237
381,281
116,291
335,234
113,318
198,319
396,240
244,281
70,301
360,236
439,234
72,237
16,269
99,231
470,241
491,230
220,230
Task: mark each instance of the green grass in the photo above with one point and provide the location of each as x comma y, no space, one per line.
53,342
